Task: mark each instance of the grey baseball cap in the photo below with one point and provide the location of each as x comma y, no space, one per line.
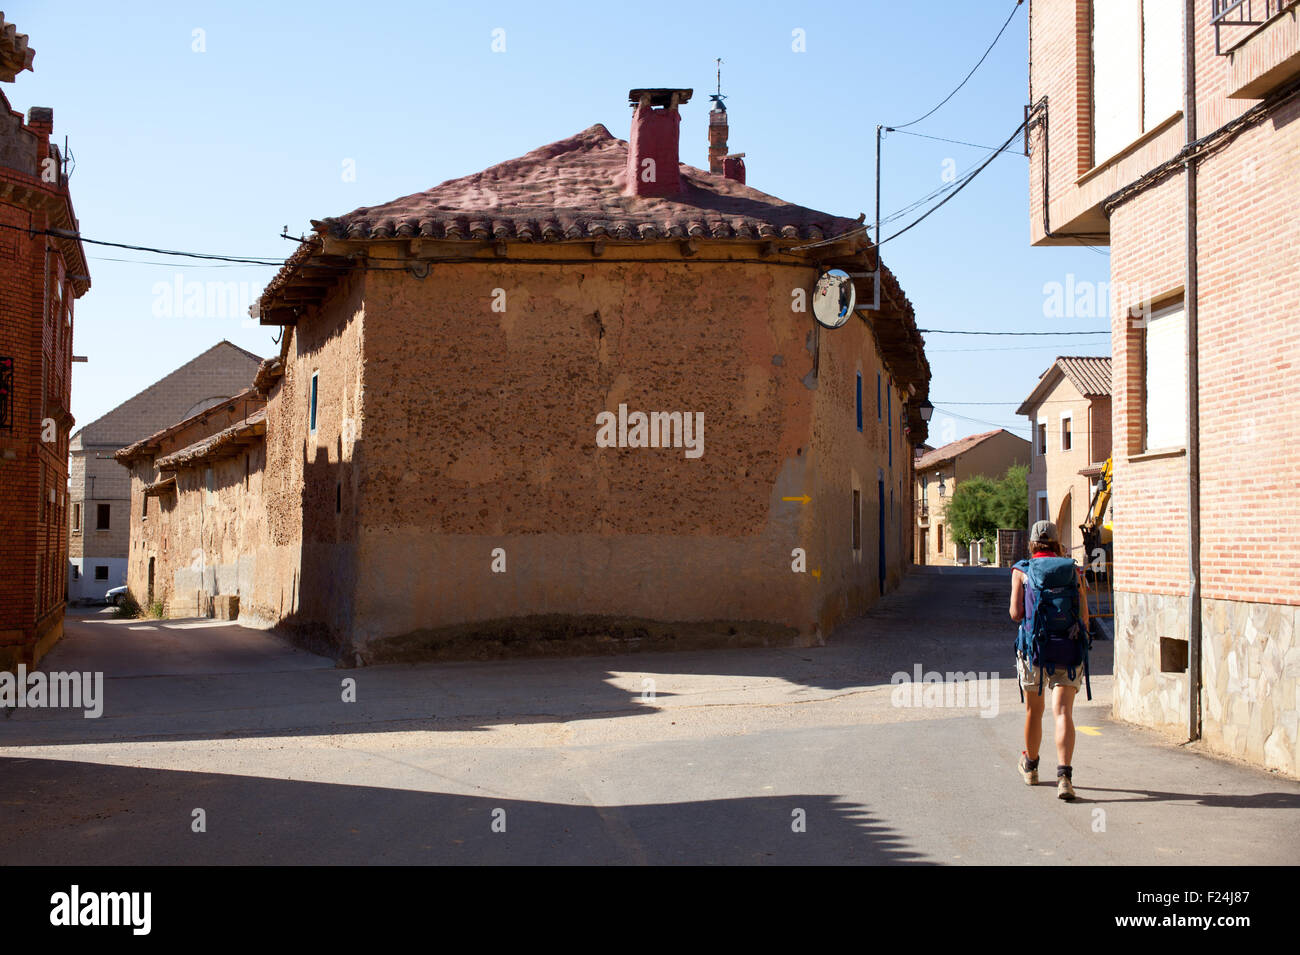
1043,531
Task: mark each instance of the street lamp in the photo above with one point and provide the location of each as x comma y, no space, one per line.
926,409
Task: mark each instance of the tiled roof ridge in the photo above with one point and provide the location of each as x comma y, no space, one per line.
529,199
954,448
213,444
134,450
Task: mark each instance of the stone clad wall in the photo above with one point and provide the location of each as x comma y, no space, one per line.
1252,682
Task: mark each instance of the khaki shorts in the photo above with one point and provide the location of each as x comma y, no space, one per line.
1029,674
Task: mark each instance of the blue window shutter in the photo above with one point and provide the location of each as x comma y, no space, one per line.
890,398
859,401
877,396
313,402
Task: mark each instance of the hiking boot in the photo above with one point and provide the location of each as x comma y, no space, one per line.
1030,773
1064,788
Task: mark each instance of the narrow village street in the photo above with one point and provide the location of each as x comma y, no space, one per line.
702,757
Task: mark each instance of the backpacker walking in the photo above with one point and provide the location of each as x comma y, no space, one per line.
1050,603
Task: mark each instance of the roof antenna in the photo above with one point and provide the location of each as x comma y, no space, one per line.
718,97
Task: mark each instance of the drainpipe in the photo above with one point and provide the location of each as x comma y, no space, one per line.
1193,391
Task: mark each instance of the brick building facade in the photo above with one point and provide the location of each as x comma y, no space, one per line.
1193,186
98,491
435,480
42,273
1069,414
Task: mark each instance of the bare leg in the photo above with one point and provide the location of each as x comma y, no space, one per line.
1063,711
1034,703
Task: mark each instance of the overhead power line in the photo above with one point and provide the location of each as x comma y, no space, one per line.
972,71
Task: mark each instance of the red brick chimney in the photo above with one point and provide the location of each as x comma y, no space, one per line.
717,135
733,167
652,146
730,165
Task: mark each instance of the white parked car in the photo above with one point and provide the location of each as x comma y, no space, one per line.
115,595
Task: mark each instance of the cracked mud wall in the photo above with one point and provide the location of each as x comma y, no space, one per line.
480,427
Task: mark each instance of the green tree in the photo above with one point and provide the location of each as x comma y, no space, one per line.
970,510
979,506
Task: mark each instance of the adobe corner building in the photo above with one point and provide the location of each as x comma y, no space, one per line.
576,401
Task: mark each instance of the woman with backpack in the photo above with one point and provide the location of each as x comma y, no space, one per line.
1049,601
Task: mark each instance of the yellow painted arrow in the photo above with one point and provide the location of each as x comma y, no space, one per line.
805,499
1089,730
817,574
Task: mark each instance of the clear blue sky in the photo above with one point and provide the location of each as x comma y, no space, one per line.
216,151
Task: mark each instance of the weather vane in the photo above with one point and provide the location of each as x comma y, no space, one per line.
718,97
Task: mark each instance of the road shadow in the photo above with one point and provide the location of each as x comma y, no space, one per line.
1274,800
198,680
68,813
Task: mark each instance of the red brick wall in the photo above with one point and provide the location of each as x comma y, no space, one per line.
36,333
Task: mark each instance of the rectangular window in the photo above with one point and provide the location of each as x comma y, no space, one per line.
1042,506
1067,435
857,519
144,507
939,537
1165,379
101,572
76,518
859,401
1137,74
210,487
1042,437
314,379
102,514
76,572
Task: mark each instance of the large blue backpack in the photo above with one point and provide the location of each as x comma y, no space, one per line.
1052,633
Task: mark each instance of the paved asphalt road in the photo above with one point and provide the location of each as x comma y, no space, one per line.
704,757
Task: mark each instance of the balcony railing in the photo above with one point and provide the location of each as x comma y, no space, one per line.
922,514
1242,13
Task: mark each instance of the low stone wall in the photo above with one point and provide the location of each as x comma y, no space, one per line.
1250,672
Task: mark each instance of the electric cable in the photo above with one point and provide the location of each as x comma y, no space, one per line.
973,68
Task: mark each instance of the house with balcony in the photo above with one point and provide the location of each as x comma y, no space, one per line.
935,476
1170,133
1069,418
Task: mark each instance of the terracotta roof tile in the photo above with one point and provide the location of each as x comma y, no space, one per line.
574,189
953,448
1090,374
215,445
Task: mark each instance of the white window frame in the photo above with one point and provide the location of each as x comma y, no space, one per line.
1041,498
1170,412
1040,436
1067,416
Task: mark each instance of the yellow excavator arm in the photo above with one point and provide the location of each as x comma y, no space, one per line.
1096,530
